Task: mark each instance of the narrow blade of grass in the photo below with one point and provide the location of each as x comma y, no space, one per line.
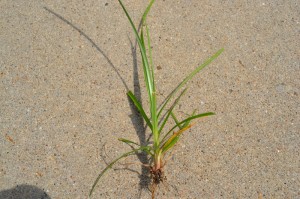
170,145
108,167
148,39
186,120
146,149
150,56
147,11
189,121
153,94
142,37
147,75
190,76
170,110
175,120
140,108
174,138
128,141
111,164
153,107
154,122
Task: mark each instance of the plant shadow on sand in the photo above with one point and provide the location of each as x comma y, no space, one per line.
24,192
136,118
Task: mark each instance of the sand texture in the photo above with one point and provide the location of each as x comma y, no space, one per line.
65,68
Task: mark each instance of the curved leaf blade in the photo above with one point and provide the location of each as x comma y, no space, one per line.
112,163
108,167
170,144
170,110
139,107
176,134
190,76
147,11
187,120
128,141
147,75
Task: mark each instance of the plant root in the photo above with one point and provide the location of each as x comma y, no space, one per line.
157,176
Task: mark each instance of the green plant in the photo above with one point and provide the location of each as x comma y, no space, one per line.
163,141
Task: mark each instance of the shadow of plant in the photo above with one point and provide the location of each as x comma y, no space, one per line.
136,119
24,192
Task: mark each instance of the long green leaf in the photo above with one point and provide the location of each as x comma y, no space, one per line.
147,75
147,11
170,110
142,38
186,120
154,122
153,94
150,56
170,145
175,120
174,137
140,108
153,108
144,24
111,164
147,149
128,141
190,76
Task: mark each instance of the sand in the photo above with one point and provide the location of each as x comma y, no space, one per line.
65,68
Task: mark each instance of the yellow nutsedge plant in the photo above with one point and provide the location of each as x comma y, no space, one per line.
162,140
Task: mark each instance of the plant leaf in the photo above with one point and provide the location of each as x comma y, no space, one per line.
187,120
190,76
147,11
170,110
140,108
148,39
150,55
175,120
147,149
150,86
176,134
154,122
147,75
142,38
128,141
174,138
112,163
170,145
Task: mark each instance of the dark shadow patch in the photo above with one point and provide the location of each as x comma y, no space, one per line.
136,118
92,42
24,192
138,121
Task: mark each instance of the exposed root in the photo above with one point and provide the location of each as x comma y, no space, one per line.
153,188
157,176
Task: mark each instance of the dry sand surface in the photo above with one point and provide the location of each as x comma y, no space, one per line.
65,67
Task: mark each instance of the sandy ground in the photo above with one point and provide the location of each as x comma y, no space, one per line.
65,67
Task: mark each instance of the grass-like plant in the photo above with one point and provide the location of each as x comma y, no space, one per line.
162,140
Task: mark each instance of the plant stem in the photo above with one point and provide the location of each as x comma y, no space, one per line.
157,159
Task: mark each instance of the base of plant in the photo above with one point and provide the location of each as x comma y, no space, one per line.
157,177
